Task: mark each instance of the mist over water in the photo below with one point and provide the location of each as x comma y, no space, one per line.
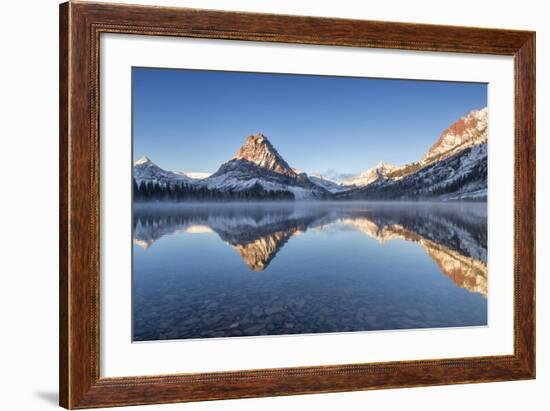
228,270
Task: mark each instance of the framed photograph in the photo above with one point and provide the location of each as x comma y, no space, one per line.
258,205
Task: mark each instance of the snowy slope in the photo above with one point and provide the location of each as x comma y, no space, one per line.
334,175
146,170
465,132
195,175
380,171
328,185
238,175
463,176
258,162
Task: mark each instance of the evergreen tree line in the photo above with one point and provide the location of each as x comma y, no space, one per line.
179,192
477,173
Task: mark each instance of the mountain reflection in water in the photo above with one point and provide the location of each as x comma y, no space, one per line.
453,236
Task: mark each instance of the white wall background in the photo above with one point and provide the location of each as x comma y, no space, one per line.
28,204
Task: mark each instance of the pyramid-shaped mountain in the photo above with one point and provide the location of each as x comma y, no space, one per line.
258,149
258,164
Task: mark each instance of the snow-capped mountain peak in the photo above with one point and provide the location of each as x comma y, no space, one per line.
146,170
258,149
258,164
326,183
142,160
466,132
455,167
367,177
463,133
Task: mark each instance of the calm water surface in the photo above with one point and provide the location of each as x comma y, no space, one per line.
224,270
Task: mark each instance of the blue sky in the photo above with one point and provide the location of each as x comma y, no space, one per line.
192,120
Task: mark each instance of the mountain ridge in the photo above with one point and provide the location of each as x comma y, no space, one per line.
453,168
146,170
463,133
379,171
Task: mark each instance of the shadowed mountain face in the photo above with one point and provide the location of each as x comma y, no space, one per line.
453,236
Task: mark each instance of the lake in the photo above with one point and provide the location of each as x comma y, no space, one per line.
234,270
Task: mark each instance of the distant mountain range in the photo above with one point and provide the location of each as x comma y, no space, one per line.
453,168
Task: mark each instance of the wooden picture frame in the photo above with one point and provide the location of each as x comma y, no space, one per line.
80,27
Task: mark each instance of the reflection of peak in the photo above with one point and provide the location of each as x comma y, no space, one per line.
257,236
382,234
465,272
258,254
454,237
143,243
258,242
370,228
198,229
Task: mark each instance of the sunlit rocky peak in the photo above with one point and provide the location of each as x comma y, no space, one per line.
465,132
258,149
258,254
